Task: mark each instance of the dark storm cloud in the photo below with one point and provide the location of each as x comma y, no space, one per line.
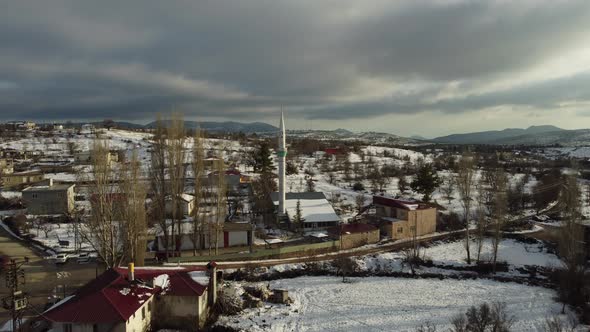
241,59
542,95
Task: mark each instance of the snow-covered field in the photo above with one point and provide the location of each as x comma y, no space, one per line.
59,232
511,251
391,304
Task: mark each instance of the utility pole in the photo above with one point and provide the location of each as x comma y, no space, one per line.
17,301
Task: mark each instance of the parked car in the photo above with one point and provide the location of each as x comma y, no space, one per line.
61,258
83,258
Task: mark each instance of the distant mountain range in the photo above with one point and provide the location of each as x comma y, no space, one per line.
227,126
210,126
534,135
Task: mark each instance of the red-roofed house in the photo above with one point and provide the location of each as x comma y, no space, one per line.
145,299
399,219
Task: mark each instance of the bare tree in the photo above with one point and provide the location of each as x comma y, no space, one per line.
157,173
175,156
464,181
359,200
220,201
345,266
448,188
132,193
573,281
46,227
103,229
500,210
198,174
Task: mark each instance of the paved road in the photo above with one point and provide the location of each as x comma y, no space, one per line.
41,274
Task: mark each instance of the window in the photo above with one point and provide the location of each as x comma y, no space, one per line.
94,327
67,327
412,228
400,230
143,313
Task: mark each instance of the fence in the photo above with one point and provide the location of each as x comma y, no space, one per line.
263,253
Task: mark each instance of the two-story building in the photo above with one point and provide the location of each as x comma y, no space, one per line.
401,219
49,199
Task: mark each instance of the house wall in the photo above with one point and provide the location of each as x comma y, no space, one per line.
186,208
49,202
180,312
235,238
141,321
117,327
358,239
424,220
13,181
238,238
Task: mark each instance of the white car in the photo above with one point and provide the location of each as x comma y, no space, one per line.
61,259
83,258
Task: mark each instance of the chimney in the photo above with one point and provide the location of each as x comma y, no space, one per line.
212,291
131,272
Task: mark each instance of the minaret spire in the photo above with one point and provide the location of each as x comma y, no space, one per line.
282,154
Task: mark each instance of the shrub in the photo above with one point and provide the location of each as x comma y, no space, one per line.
358,187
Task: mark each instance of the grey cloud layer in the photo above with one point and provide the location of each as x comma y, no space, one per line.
240,59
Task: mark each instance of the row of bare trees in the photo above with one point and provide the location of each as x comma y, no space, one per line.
117,225
168,173
118,220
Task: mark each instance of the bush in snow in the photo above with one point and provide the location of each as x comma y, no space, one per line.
483,319
358,187
345,266
229,301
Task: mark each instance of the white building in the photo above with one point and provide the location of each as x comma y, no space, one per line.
316,211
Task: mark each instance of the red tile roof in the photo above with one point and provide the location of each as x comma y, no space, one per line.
112,298
402,204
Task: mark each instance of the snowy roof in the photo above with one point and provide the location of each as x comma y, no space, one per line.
314,206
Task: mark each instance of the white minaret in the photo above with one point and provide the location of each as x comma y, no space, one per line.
281,154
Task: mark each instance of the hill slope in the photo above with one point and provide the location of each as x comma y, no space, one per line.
227,126
498,136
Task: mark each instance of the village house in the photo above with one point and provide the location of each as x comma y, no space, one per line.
86,157
139,299
186,204
401,219
232,234
19,180
49,199
355,235
6,166
20,125
317,213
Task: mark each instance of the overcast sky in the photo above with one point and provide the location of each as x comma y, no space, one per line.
416,67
